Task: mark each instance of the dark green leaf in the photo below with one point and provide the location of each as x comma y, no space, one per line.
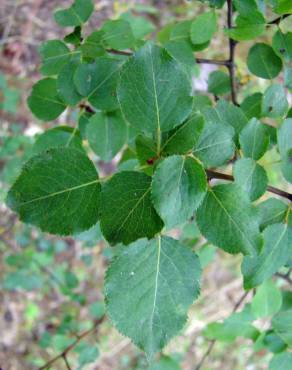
117,34
181,51
219,83
55,54
274,104
282,324
76,15
252,106
263,62
282,44
285,148
65,84
271,211
92,46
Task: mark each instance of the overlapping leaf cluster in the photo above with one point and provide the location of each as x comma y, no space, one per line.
136,96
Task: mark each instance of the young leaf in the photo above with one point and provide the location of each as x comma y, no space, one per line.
282,324
118,34
76,15
44,101
218,83
162,290
178,187
55,54
274,104
161,99
271,211
276,251
98,82
285,148
65,84
254,139
267,300
228,220
203,27
106,134
263,62
58,191
251,177
61,136
127,212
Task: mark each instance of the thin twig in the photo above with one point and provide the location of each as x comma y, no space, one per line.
279,19
66,362
232,45
222,176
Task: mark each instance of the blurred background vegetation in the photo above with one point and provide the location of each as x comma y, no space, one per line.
51,288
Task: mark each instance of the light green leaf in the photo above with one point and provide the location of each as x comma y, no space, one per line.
65,84
183,138
44,101
55,54
267,300
98,82
252,106
203,27
178,187
88,355
161,99
254,139
275,104
61,136
281,361
283,6
219,83
58,191
162,290
276,251
282,44
106,134
285,148
288,78
228,220
165,363
246,28
271,211
263,62
282,324
118,34
127,212
141,26
251,177
76,15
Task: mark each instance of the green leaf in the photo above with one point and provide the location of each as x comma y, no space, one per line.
161,99
285,148
282,45
215,145
263,62
219,83
106,134
65,84
98,82
183,138
55,54
267,300
178,187
58,191
74,37
254,139
283,6
88,355
201,102
117,34
141,26
252,106
165,363
146,150
76,15
228,220
44,101
92,47
282,324
275,104
61,136
203,27
271,211
83,122
162,290
288,78
247,28
251,177
127,212
275,254
273,342
181,51
281,361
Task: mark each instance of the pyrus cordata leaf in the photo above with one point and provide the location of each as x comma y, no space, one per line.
65,84
263,62
55,54
77,14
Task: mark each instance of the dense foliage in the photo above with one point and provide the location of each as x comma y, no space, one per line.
135,97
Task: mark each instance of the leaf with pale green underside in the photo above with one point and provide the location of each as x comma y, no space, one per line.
276,251
58,190
55,54
127,212
203,27
271,211
263,62
44,101
274,104
183,138
65,84
228,220
282,44
219,83
281,361
118,34
254,139
282,324
61,136
251,177
163,278
285,148
178,187
76,15
106,134
154,92
267,300
98,82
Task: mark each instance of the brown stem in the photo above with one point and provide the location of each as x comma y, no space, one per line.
222,176
232,45
66,362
